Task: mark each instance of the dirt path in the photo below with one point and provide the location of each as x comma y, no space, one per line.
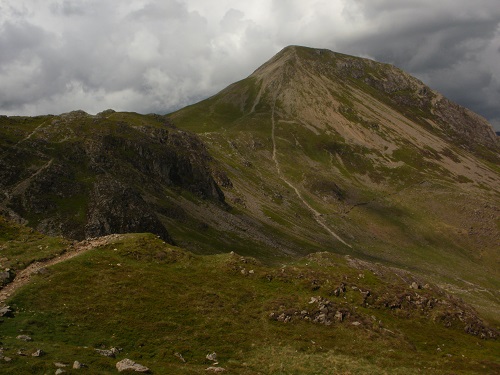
24,276
317,216
30,134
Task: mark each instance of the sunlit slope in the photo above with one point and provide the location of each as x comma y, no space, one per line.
360,158
167,308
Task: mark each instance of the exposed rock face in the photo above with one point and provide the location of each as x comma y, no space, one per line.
84,176
415,99
117,208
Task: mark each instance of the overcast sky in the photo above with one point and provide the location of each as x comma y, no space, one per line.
159,55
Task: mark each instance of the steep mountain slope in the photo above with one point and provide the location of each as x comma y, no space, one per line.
362,159
81,176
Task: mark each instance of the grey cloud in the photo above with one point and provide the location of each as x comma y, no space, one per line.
447,45
70,8
159,55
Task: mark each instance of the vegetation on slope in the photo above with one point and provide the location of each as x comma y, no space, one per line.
167,309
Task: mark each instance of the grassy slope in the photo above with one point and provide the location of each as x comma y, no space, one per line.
154,300
20,246
381,213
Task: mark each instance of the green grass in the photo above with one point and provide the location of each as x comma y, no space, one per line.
20,246
155,300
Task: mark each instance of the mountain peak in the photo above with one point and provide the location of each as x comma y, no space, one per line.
315,81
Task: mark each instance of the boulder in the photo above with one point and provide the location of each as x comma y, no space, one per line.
215,369
6,311
212,356
6,277
414,285
38,353
108,352
24,338
129,365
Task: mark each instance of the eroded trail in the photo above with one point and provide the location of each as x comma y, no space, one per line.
316,214
24,276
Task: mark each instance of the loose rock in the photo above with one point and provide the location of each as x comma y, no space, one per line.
24,338
128,364
108,352
215,369
212,356
38,353
5,311
179,355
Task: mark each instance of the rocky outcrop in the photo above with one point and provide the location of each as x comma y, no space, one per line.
417,100
85,176
117,208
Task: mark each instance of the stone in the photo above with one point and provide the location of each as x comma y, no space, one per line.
111,353
77,365
313,300
6,311
24,338
6,277
127,364
59,364
355,323
414,285
7,359
215,369
59,371
339,316
38,353
211,356
179,355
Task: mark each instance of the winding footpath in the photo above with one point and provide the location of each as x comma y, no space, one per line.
317,216
24,276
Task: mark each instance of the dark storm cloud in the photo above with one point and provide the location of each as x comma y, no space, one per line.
152,55
451,46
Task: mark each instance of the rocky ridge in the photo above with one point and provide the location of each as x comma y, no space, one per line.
85,176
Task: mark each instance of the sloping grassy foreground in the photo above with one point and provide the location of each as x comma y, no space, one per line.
158,302
20,245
